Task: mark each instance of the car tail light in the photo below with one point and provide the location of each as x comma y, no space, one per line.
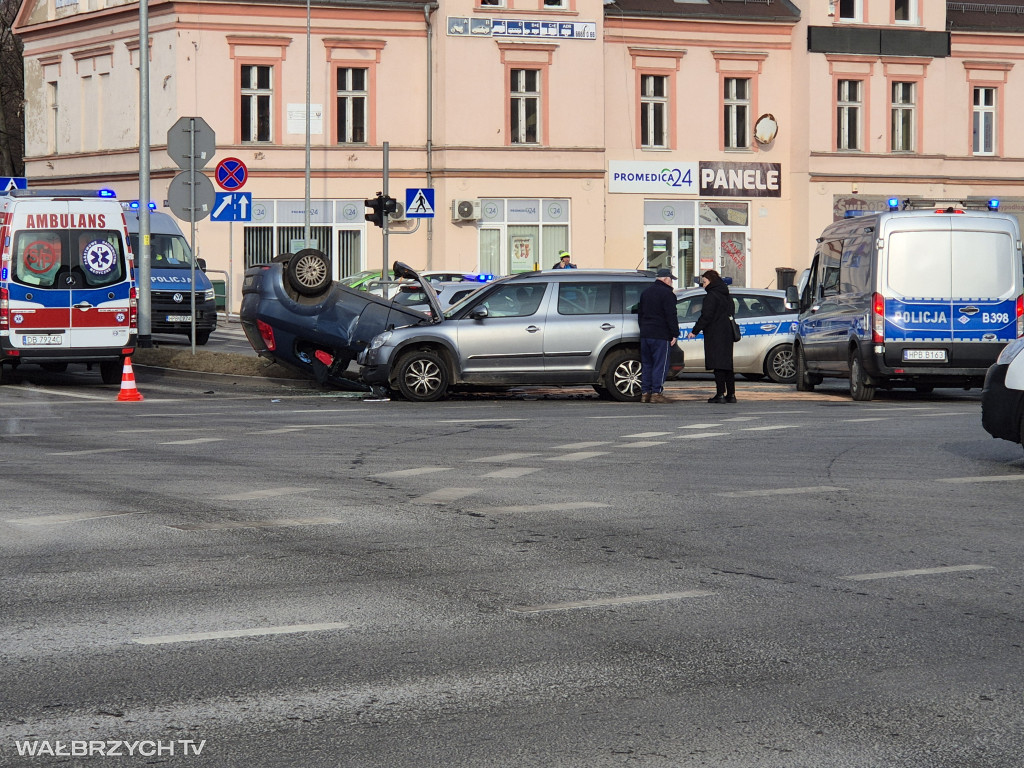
1020,316
877,318
133,310
5,309
267,334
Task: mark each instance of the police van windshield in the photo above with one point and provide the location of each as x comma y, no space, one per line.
957,264
68,258
165,251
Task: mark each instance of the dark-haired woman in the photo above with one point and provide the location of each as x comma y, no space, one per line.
717,327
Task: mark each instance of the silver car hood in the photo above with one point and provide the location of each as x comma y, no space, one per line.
407,272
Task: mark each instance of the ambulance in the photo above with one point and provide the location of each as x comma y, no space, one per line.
67,286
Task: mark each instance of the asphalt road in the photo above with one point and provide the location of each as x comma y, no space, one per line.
275,575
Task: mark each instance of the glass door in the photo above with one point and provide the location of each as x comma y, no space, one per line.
732,255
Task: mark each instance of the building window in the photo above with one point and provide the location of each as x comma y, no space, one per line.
737,112
256,104
984,125
653,111
851,10
903,117
492,3
54,115
903,10
555,4
351,105
849,104
525,106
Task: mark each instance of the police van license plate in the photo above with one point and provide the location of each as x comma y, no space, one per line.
42,340
179,318
925,354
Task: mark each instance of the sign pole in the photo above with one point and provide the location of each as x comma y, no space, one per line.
144,284
384,223
192,208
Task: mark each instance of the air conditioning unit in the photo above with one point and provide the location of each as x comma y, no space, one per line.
399,214
465,210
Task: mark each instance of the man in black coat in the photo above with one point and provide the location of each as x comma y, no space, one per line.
715,320
659,328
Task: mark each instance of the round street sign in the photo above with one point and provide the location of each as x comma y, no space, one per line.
181,198
231,174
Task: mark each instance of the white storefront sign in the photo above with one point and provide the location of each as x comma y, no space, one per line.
648,177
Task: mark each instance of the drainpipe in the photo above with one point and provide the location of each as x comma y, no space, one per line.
427,11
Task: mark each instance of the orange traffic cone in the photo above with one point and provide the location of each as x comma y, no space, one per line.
128,393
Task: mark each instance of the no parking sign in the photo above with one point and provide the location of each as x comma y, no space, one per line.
231,174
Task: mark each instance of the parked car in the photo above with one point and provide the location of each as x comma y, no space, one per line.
321,328
767,326
1002,396
573,327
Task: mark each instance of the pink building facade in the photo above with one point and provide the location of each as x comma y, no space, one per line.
639,133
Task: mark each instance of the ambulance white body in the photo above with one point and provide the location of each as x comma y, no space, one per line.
67,284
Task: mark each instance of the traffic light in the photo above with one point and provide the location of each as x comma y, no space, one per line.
376,204
390,205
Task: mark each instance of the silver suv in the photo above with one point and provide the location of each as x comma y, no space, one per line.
568,327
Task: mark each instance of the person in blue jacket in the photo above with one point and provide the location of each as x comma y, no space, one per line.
659,328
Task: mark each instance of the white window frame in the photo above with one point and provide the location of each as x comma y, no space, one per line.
849,105
650,106
903,136
910,10
556,5
520,100
253,93
984,116
736,113
349,101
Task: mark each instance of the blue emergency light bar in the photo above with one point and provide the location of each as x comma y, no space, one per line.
894,203
993,204
133,205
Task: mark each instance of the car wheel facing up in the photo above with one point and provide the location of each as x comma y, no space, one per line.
309,272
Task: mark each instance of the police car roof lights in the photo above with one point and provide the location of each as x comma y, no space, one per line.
66,194
134,205
894,203
993,204
951,205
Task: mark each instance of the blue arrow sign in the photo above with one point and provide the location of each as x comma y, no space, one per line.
419,203
12,182
232,206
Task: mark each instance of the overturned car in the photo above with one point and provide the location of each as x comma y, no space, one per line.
293,314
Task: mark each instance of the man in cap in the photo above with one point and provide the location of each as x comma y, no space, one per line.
659,328
564,261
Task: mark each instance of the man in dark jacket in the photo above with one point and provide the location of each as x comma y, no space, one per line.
659,328
716,322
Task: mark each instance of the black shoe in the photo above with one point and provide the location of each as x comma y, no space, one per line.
730,398
717,399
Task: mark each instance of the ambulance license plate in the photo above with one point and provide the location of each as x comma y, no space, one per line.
179,318
42,340
925,354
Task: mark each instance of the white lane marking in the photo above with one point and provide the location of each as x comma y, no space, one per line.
262,494
566,506
646,434
503,457
512,472
288,522
781,491
62,393
165,430
917,572
873,418
768,429
578,456
742,418
73,517
578,446
701,426
473,421
644,444
445,495
631,417
699,435
87,453
303,428
982,479
412,472
600,603
192,637
194,441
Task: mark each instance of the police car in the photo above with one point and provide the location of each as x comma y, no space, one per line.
1002,398
767,325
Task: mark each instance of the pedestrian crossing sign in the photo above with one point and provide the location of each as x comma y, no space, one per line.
419,203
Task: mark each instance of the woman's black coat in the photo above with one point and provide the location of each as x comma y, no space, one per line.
714,321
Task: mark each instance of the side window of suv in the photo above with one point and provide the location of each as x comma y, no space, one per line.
584,298
831,253
514,300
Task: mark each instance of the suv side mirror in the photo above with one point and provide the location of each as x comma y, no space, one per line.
792,297
479,313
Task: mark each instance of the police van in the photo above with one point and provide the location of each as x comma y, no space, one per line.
912,297
67,287
170,275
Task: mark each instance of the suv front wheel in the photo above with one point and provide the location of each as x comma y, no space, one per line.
622,376
422,377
